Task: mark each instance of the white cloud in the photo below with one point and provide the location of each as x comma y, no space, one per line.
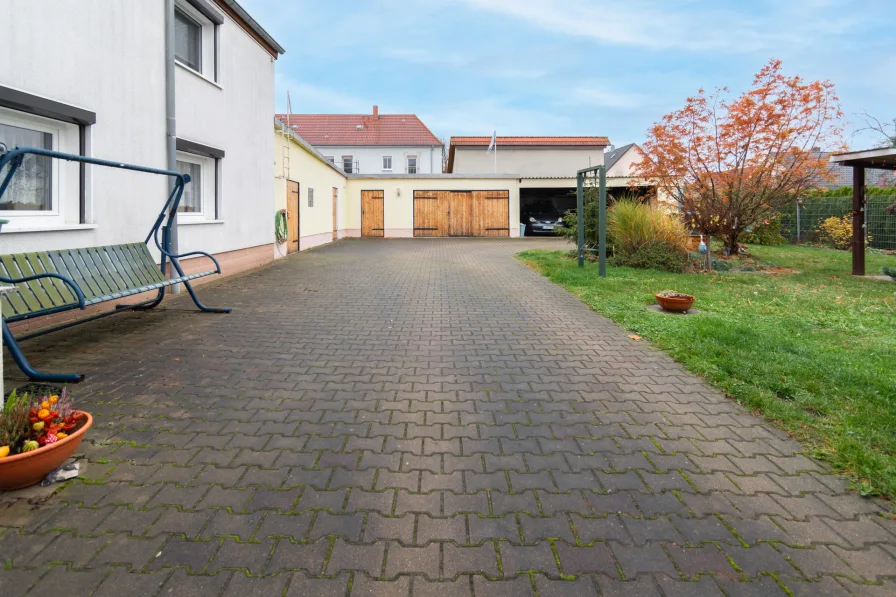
660,24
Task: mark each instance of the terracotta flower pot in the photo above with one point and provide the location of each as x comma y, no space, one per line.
678,305
28,468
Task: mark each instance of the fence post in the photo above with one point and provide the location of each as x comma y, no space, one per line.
798,220
580,209
602,223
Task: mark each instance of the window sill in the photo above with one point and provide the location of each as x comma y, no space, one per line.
182,221
62,228
197,74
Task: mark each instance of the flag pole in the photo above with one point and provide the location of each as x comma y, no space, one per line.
496,149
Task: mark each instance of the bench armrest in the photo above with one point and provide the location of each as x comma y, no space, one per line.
190,254
68,282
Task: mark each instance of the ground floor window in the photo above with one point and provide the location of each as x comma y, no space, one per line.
42,188
200,194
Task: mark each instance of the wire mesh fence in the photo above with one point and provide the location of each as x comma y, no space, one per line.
801,222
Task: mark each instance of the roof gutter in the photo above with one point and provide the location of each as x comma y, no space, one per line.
254,25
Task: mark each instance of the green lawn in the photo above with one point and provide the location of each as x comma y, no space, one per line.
815,351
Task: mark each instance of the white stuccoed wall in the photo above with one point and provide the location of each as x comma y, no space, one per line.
429,159
527,162
108,57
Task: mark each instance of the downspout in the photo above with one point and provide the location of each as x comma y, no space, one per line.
170,115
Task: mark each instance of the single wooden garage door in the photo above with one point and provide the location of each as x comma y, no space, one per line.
372,221
461,213
430,213
491,213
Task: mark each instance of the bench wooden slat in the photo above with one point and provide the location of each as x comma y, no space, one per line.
129,260
146,263
15,300
119,260
85,261
33,293
56,290
112,273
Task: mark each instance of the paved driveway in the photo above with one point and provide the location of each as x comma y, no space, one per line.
422,417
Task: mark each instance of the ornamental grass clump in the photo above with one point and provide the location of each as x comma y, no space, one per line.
27,424
646,237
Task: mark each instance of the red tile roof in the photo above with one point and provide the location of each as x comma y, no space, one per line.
342,129
533,141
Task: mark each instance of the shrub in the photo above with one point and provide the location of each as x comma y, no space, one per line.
653,255
837,232
638,234
890,271
766,232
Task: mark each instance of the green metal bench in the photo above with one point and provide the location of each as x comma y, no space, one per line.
49,282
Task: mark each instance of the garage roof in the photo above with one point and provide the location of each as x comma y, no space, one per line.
532,141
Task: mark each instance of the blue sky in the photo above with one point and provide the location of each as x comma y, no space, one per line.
569,67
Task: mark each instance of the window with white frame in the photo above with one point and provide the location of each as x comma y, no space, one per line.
310,197
387,163
40,187
199,196
347,164
330,159
195,40
412,164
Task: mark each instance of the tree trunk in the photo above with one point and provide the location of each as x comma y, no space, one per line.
732,242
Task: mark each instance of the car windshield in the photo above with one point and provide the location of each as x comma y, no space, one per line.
543,210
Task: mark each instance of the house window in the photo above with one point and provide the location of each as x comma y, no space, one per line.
310,197
330,159
387,163
31,188
187,40
196,36
347,164
200,194
412,164
43,191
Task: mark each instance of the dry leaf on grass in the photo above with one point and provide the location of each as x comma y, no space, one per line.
634,336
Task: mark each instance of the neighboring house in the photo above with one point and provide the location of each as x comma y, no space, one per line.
842,176
370,143
619,161
544,166
89,78
323,203
310,189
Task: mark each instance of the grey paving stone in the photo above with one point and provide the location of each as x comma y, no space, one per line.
395,392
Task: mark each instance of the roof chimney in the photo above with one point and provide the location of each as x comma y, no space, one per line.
376,112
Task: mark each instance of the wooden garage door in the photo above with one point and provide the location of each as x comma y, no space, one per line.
372,213
430,213
491,215
460,214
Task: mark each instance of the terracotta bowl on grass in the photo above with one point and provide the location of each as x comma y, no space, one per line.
28,468
678,305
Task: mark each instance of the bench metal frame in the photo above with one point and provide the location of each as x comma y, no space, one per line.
163,223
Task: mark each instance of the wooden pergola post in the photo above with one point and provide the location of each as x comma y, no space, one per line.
858,220
876,159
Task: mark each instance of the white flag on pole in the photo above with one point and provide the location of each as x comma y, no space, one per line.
494,142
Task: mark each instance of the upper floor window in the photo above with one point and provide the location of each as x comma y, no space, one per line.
347,164
187,40
330,159
387,163
412,164
196,36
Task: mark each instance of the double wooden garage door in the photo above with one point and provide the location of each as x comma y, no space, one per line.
461,213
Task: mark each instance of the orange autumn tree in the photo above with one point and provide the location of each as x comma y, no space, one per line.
733,162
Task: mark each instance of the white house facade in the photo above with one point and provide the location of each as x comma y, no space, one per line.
107,99
371,143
